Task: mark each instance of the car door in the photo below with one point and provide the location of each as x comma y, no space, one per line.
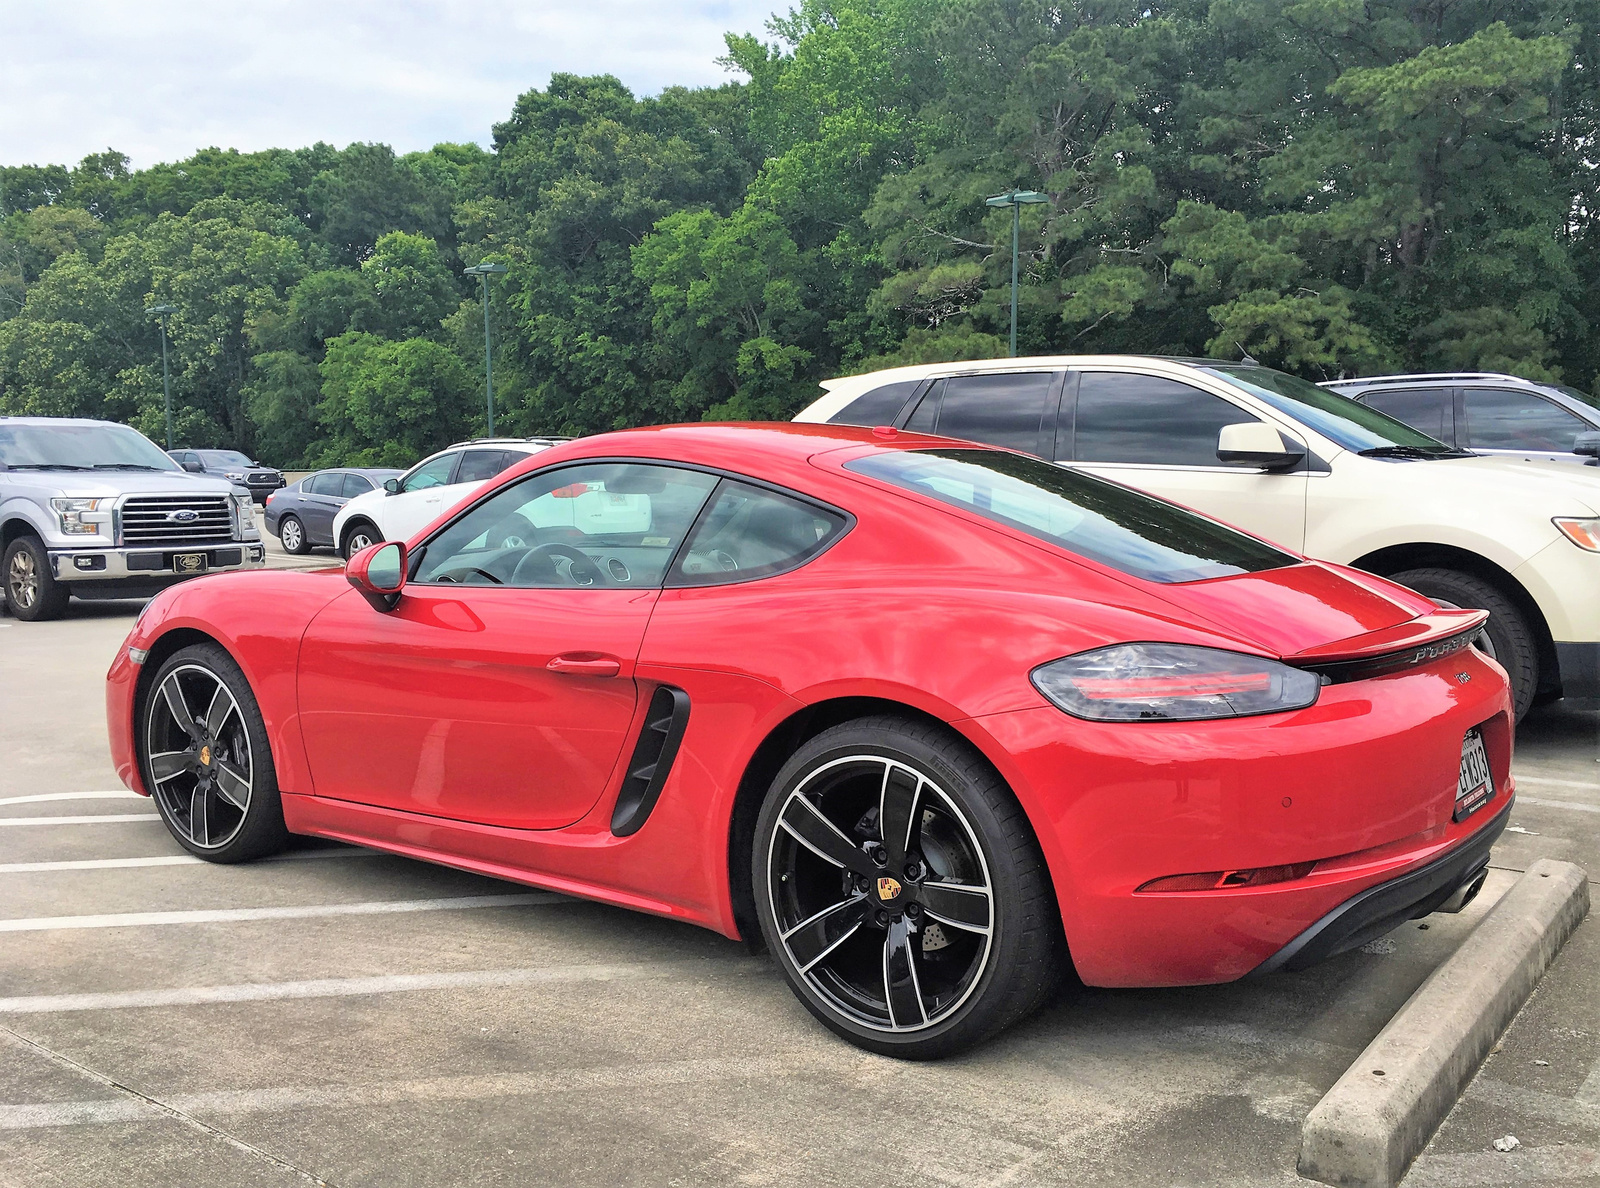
1427,410
321,499
1160,435
354,484
1512,423
500,688
420,499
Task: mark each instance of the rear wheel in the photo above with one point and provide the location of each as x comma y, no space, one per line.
31,590
292,535
358,536
901,890
1507,637
205,759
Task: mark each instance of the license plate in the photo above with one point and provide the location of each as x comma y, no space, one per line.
196,563
1474,786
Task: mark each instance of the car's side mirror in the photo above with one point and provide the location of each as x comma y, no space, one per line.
194,467
1255,443
1588,444
379,572
391,486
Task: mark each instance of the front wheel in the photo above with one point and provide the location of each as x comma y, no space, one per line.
205,758
1506,638
901,889
31,590
359,536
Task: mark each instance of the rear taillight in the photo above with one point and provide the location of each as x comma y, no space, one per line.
1140,682
1223,880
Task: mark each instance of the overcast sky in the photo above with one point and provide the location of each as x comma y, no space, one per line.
158,80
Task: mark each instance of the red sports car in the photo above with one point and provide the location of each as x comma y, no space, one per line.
930,719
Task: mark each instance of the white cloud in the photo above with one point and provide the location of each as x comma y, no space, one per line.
160,80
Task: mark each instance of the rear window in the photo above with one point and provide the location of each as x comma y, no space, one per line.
1141,536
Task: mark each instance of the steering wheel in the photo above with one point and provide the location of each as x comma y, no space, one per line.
583,571
454,576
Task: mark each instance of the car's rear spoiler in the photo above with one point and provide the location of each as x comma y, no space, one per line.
1416,641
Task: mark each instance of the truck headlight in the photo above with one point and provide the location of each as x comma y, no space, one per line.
73,512
235,475
244,509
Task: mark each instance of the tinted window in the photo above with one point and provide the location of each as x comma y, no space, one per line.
477,465
1124,529
1501,419
881,406
604,524
433,473
1338,418
1147,419
1000,410
751,533
356,484
926,415
331,483
1431,410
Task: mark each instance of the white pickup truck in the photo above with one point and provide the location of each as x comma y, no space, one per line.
94,509
1300,466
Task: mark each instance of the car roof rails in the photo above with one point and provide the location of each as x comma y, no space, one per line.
1438,376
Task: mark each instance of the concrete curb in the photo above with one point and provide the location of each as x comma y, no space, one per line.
1368,1128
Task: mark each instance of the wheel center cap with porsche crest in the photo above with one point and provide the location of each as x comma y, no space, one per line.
888,889
205,756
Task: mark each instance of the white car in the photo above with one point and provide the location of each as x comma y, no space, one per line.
1296,464
402,507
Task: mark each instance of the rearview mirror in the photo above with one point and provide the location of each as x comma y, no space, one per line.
1588,444
379,572
1255,443
392,486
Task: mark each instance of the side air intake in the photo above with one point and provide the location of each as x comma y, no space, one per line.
653,754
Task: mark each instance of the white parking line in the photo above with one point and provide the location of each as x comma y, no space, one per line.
41,797
233,915
100,820
177,860
1527,779
1574,805
351,987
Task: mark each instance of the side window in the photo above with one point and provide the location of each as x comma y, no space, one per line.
477,465
1428,410
880,406
926,415
1123,417
434,473
1000,410
1501,419
593,525
356,484
750,533
330,483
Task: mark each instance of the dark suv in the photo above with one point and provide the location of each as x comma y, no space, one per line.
260,480
1487,413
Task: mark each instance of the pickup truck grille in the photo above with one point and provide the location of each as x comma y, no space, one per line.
261,477
149,520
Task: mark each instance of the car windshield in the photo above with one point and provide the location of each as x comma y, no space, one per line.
223,458
70,446
1338,418
1588,398
1103,521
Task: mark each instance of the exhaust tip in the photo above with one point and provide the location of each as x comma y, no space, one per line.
1465,894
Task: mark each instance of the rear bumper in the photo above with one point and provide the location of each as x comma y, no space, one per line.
1580,669
1384,908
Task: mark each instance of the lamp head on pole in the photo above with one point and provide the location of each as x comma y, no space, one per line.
160,310
1017,198
487,268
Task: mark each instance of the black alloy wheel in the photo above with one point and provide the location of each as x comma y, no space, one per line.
901,889
359,536
1506,638
31,590
292,535
205,758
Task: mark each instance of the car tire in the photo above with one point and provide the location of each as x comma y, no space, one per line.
31,590
358,536
292,536
1507,637
873,935
205,759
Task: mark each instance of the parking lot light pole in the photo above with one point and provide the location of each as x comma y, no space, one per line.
1016,200
161,312
483,272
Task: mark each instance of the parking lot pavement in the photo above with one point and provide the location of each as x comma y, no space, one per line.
344,1017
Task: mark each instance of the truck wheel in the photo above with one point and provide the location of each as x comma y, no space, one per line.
1507,636
31,590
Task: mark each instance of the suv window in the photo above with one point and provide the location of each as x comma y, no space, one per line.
433,473
880,406
356,484
1146,419
1105,522
1009,410
478,465
601,524
752,533
1432,410
1503,419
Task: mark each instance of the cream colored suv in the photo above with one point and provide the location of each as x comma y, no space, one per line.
1298,465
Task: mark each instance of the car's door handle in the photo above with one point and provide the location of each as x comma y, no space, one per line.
585,664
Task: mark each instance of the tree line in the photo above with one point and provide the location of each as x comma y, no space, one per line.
1333,186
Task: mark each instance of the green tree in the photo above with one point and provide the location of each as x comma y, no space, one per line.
388,403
